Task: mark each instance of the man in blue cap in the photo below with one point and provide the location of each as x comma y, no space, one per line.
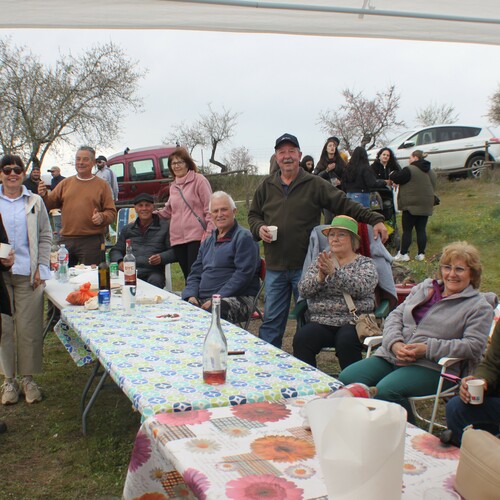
292,200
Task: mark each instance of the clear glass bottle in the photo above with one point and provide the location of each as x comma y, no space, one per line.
215,349
62,260
129,265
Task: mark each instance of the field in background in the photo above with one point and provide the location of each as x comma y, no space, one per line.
44,455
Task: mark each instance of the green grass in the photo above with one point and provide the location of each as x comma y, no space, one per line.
45,456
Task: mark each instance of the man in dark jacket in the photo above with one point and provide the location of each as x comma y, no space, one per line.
32,181
56,177
292,200
228,264
150,242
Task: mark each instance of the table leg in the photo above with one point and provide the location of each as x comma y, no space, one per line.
50,320
94,395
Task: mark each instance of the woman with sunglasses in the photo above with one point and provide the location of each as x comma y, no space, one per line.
187,208
27,225
447,317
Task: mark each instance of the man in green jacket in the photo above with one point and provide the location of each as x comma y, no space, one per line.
293,200
460,413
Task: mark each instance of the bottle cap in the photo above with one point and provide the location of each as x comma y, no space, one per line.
216,298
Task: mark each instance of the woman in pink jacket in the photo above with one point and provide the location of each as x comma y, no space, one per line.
187,209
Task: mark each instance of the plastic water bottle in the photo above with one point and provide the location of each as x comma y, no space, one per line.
215,349
62,260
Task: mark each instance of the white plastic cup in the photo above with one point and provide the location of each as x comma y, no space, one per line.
476,391
5,248
440,494
274,232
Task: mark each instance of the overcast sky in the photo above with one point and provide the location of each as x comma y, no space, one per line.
279,83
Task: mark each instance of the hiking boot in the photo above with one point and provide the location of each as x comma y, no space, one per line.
400,257
31,391
10,392
420,257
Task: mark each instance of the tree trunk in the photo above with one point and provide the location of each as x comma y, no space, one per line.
213,161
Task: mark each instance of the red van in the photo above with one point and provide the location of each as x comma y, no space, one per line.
143,170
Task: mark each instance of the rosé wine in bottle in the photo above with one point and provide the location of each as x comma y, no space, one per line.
215,349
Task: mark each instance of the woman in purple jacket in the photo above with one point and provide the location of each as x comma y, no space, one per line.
187,209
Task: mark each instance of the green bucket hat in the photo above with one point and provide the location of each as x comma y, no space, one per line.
343,222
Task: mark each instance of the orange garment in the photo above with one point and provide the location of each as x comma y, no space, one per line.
77,200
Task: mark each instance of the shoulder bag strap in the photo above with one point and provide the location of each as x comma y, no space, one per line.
347,297
198,218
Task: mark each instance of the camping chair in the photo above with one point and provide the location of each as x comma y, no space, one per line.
128,215
440,393
256,312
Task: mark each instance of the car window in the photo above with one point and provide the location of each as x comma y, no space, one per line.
119,171
470,131
427,136
449,134
165,172
142,170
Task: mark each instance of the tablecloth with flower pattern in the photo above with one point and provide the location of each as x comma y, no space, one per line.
157,362
256,451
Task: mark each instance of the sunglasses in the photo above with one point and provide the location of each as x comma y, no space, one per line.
17,170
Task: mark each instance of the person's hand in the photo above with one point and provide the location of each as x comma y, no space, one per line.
194,301
265,234
97,217
9,261
37,281
155,259
326,264
464,389
330,166
120,266
419,349
207,305
380,229
403,355
42,188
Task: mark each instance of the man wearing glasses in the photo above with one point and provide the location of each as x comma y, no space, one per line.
292,200
87,208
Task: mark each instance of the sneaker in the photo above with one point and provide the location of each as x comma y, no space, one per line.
420,257
31,391
10,392
402,257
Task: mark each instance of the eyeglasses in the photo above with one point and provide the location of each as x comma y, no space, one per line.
340,234
445,268
17,170
175,163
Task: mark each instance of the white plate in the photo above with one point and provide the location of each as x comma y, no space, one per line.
167,317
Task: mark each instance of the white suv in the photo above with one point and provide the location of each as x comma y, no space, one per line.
449,147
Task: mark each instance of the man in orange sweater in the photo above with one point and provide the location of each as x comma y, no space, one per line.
87,208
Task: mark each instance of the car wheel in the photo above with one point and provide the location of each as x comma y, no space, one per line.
475,167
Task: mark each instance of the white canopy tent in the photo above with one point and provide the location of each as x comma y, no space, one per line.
437,20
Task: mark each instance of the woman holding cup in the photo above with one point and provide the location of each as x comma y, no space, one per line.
27,225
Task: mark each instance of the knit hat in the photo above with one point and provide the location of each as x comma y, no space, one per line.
343,222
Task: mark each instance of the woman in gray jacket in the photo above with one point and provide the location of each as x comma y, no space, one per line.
27,224
445,317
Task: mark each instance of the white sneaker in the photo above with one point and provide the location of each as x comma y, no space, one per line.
420,257
31,391
10,392
402,257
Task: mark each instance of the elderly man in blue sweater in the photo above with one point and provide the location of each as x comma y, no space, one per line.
228,264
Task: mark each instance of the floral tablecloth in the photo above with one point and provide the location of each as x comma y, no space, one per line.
157,362
257,451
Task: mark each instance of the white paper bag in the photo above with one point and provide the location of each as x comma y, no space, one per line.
360,445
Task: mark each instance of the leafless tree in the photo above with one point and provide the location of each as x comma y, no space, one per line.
494,112
79,98
360,120
211,129
435,113
240,159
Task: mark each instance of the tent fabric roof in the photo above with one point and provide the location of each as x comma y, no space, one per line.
434,20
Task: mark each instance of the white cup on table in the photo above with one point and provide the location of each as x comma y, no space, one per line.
476,391
274,232
5,248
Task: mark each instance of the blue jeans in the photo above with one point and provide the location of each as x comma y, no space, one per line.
460,415
279,286
362,198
